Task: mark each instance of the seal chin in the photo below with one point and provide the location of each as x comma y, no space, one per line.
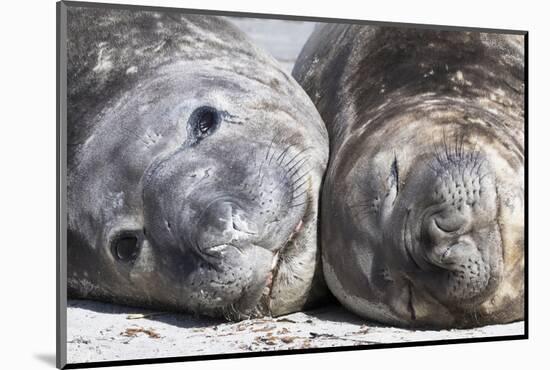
247,307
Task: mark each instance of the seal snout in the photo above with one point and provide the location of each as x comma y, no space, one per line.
224,224
458,229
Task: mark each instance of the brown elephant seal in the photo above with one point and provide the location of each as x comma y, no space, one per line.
423,203
194,168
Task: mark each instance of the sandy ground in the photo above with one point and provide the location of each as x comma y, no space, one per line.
105,332
283,39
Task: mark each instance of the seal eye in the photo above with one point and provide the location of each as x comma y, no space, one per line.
206,122
203,122
125,248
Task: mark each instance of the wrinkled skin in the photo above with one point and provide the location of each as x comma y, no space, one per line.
423,202
193,184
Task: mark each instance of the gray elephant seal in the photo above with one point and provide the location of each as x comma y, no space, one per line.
194,168
423,205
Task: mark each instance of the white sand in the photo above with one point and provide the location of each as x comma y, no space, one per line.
282,39
98,332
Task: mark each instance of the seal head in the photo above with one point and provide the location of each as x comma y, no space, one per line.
422,211
194,179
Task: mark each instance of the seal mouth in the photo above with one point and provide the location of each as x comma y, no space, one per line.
219,249
263,303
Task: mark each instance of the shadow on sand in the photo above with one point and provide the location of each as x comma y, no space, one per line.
171,318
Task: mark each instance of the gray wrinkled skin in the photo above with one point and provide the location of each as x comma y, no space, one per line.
423,202
194,168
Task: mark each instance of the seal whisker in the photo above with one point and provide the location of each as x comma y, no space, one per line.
298,170
301,176
299,163
293,174
300,185
432,167
299,204
284,153
299,195
271,158
273,152
446,148
296,156
458,146
270,146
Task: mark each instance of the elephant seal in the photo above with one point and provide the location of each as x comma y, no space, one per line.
194,168
423,203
